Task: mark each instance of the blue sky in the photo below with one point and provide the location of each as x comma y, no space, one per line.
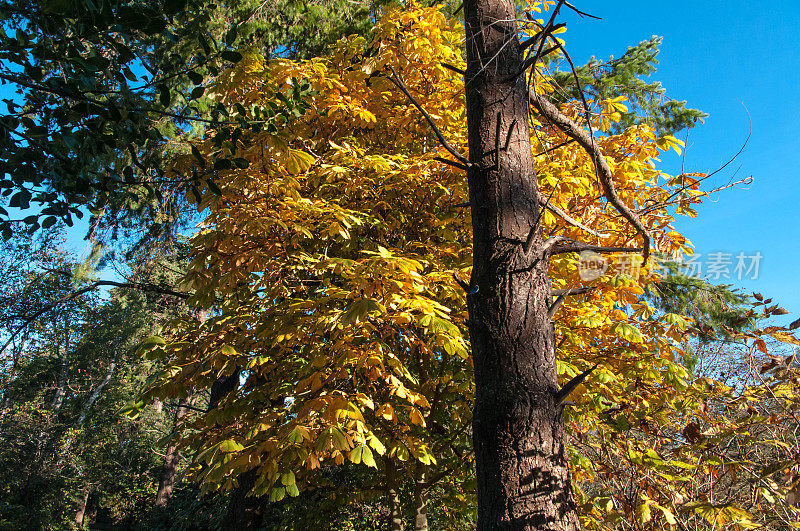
723,56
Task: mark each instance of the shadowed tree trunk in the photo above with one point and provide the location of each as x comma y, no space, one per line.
172,458
81,512
522,474
169,470
244,512
395,504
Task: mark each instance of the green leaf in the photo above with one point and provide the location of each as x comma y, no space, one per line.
229,446
204,43
643,513
627,332
366,457
213,187
228,350
277,494
163,95
230,37
20,200
173,7
197,92
355,454
222,164
195,77
198,156
233,57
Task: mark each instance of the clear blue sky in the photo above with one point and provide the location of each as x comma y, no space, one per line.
718,55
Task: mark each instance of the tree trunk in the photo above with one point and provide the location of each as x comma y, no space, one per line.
96,393
421,497
522,475
395,505
172,458
79,515
169,469
245,512
63,375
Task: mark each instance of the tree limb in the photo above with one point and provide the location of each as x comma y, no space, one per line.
77,293
604,173
576,247
394,78
569,219
570,386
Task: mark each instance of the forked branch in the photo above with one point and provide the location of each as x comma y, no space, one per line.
562,295
604,173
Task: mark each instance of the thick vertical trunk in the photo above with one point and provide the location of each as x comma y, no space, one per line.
172,458
244,512
395,505
421,497
523,479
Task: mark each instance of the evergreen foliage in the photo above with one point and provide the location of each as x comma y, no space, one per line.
626,76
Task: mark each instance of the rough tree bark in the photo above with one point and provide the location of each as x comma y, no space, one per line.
169,468
81,512
522,475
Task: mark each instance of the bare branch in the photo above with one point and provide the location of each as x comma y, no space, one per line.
527,43
451,163
570,386
471,290
77,293
530,61
581,13
442,140
461,282
549,244
562,295
548,150
571,291
576,247
454,69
